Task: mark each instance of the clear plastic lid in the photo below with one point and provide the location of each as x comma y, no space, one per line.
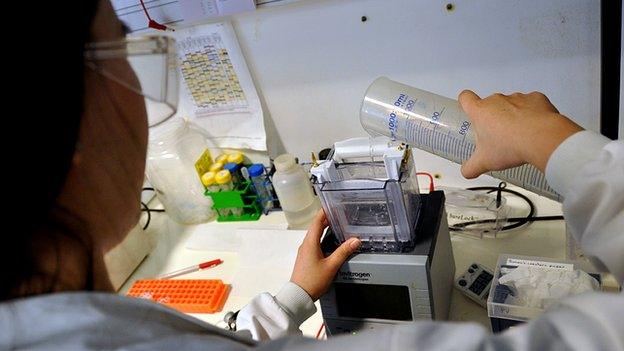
381,212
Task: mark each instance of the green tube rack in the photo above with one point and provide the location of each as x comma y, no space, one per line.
243,196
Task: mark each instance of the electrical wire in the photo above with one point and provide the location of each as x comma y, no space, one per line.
153,210
431,185
501,188
519,221
149,210
461,226
149,215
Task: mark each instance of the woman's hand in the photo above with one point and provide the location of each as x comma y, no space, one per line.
513,130
314,272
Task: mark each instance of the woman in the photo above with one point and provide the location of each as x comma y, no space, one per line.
55,290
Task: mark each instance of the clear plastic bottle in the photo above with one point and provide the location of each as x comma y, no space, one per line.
173,149
261,183
435,124
294,192
224,180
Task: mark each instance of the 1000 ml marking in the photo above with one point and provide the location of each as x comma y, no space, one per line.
393,124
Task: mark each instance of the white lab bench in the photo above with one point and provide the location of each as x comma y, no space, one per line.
545,239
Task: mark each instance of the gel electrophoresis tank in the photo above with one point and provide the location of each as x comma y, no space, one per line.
368,189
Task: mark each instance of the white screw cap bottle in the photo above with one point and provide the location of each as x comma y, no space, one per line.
294,191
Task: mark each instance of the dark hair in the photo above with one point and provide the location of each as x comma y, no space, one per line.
45,80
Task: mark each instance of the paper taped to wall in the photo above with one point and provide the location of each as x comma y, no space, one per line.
218,93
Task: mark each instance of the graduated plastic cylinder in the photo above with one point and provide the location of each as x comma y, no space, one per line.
435,124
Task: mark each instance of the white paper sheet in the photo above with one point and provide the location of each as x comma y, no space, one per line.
266,261
225,236
266,256
217,91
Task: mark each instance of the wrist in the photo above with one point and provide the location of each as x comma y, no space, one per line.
544,136
572,156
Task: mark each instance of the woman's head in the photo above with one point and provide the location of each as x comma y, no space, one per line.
86,187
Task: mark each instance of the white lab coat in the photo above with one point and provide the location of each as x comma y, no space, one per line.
587,169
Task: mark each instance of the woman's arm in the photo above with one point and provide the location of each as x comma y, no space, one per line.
588,171
271,317
586,168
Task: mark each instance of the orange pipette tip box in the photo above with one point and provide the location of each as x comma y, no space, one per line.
186,295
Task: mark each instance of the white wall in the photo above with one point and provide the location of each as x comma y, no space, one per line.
312,60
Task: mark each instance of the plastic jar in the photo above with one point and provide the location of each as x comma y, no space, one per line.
294,192
173,149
